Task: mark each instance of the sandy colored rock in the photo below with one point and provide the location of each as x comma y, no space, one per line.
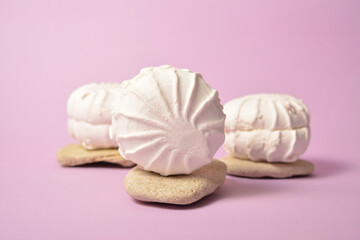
178,189
249,168
75,154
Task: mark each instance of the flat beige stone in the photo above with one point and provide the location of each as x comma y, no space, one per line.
178,189
75,154
252,169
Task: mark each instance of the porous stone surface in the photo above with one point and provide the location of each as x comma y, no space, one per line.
176,189
75,154
257,169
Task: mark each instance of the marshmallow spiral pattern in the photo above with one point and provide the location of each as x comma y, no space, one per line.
168,120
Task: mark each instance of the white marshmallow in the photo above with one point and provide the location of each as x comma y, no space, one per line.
89,114
168,121
267,127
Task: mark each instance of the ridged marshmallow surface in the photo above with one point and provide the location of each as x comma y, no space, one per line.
168,120
267,127
89,114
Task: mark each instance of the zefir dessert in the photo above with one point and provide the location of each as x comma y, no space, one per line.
170,123
265,136
89,118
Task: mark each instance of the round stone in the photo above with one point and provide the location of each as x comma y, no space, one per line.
175,189
252,169
75,154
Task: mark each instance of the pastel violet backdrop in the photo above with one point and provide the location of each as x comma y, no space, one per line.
309,49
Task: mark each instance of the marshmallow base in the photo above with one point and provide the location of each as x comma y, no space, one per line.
266,145
91,136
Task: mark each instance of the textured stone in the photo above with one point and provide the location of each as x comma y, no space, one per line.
177,189
75,154
252,169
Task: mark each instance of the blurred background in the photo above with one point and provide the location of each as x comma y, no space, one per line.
306,48
309,49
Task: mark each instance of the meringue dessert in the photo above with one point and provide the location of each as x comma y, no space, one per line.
89,118
168,121
89,114
265,129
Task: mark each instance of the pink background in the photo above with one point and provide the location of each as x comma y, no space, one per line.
310,49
